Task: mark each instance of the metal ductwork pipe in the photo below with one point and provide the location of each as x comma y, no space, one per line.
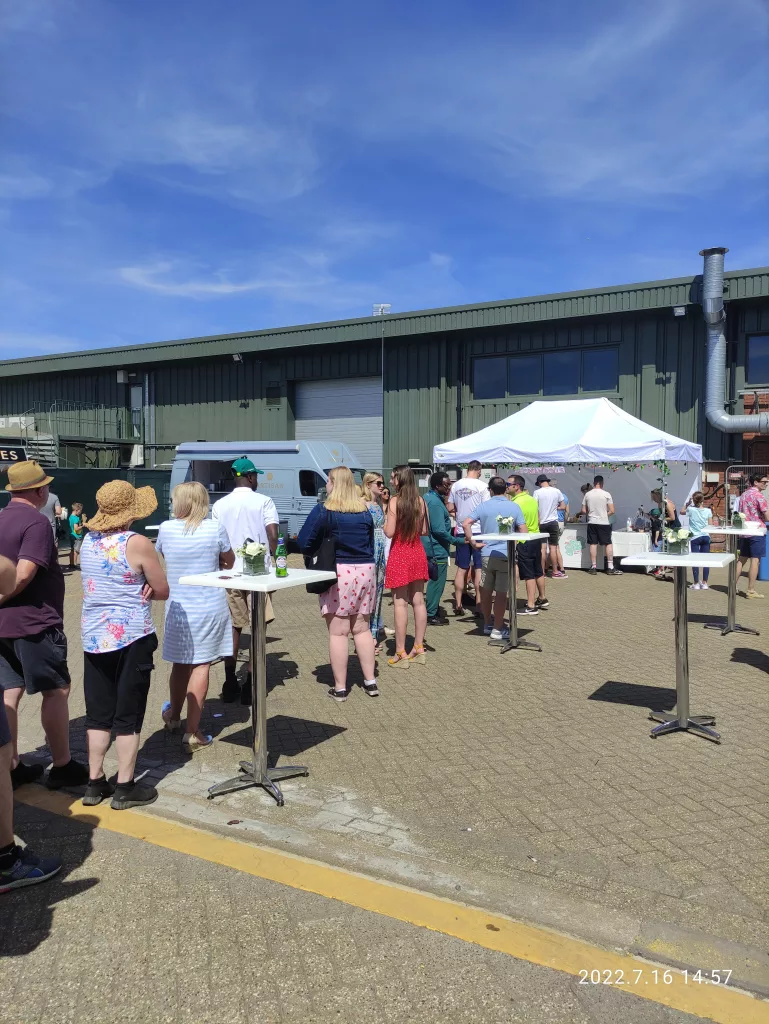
715,321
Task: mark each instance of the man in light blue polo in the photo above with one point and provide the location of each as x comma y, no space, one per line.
495,572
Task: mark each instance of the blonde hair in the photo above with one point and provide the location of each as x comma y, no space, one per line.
365,490
190,503
345,495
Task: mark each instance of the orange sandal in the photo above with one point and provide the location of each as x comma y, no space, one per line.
418,655
401,660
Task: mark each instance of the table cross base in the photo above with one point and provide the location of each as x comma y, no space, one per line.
735,628
508,645
266,779
698,724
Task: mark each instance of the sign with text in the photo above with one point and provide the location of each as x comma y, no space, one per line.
8,456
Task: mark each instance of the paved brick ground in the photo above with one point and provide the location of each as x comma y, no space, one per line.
534,766
133,933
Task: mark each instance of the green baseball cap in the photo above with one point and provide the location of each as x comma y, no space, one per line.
244,466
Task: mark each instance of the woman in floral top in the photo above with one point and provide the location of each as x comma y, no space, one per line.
121,576
373,487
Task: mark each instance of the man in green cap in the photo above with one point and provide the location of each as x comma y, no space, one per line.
244,513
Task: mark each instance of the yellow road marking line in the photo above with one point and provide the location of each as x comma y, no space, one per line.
471,924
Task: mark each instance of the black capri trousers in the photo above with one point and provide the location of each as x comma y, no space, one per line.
116,685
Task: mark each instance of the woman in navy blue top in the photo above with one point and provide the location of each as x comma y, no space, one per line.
347,605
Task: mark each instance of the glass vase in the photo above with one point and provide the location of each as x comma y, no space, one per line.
504,528
254,565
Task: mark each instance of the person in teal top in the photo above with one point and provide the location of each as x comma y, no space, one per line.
438,542
699,518
77,521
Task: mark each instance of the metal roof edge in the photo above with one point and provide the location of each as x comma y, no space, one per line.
370,327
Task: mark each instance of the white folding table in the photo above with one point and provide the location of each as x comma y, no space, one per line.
512,540
256,772
681,719
730,626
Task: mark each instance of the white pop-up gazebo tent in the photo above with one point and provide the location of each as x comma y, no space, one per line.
574,440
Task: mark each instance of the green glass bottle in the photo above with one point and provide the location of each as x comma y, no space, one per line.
281,558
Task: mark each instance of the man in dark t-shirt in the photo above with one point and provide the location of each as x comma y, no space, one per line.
33,647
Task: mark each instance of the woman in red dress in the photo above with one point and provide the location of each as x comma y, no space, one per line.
406,573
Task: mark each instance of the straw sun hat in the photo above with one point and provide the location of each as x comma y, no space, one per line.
27,476
119,504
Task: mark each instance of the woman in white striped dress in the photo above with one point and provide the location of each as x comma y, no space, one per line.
198,627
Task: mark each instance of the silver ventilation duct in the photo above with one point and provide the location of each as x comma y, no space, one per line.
715,321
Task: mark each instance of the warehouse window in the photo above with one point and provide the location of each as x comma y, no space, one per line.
757,369
600,369
490,377
561,372
524,375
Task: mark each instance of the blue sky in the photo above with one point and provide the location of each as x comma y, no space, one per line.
185,168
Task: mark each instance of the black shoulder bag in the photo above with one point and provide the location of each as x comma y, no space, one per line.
324,560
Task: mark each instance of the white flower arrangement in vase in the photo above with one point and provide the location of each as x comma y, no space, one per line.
505,524
253,554
677,540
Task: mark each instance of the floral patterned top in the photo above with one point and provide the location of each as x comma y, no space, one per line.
114,612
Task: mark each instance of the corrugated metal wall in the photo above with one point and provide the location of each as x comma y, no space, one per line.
661,368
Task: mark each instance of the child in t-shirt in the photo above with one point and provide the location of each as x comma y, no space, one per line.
77,521
699,517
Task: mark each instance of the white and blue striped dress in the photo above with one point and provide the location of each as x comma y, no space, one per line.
198,628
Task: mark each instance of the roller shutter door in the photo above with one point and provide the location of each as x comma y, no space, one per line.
347,410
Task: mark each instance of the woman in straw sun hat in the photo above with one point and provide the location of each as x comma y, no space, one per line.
121,576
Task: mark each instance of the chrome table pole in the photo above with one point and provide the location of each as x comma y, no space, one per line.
255,772
514,643
681,719
731,598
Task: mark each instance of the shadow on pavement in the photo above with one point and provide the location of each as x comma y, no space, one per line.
27,914
750,656
656,698
287,736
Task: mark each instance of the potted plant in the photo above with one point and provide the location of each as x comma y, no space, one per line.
253,554
505,524
677,540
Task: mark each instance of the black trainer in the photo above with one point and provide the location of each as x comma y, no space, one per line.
340,696
613,572
71,774
592,571
543,603
371,689
97,790
131,794
24,773
246,696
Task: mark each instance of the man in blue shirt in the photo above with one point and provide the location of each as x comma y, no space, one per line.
437,542
494,579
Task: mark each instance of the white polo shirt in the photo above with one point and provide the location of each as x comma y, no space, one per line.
245,513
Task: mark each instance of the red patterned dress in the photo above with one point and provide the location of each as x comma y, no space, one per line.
406,563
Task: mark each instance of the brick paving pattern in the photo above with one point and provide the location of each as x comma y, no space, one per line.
533,766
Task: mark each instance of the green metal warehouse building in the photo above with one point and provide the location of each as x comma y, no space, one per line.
415,379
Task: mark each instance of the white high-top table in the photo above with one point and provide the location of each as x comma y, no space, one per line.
730,626
256,772
681,719
512,540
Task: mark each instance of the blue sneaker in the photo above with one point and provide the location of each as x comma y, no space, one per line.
28,869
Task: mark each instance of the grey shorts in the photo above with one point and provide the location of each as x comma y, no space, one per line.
37,663
495,574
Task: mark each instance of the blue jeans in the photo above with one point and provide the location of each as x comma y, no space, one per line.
697,546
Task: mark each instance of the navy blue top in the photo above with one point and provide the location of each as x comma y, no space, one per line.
352,531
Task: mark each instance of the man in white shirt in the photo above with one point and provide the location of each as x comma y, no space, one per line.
244,513
464,498
549,499
599,505
52,511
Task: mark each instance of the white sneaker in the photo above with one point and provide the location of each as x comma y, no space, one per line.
704,586
695,586
500,634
